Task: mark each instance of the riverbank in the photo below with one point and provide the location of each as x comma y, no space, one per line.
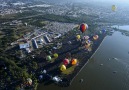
89,58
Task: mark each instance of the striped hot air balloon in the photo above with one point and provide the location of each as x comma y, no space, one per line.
83,27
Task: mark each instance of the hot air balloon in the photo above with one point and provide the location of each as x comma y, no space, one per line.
55,55
86,37
63,68
103,31
29,81
95,37
89,49
65,62
78,37
114,8
87,45
74,61
48,58
83,27
88,41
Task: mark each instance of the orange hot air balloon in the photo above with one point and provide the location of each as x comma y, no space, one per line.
83,27
74,61
95,37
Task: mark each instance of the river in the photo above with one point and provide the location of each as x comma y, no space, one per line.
108,69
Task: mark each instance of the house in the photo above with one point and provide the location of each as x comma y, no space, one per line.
24,46
35,43
59,35
47,39
28,50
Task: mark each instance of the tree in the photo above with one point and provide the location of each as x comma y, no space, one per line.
8,79
17,87
35,66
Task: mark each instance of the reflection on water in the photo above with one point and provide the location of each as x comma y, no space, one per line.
108,69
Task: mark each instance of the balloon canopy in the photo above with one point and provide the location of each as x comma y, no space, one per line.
29,81
103,31
63,68
95,37
55,55
48,58
83,27
86,37
87,45
88,41
65,62
78,36
74,61
89,49
114,7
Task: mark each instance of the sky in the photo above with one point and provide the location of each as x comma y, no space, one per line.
111,1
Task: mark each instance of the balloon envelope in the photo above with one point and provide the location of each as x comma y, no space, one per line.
48,58
88,41
55,55
95,37
114,8
63,68
65,62
83,27
29,81
87,45
74,61
103,31
78,36
86,37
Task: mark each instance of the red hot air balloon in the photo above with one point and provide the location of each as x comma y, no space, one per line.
65,62
83,27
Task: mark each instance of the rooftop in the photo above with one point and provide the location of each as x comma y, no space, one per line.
25,45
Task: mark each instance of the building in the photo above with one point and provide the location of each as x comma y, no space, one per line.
47,39
24,46
59,35
28,50
35,43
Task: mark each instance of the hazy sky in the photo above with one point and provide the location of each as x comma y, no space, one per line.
112,1
107,0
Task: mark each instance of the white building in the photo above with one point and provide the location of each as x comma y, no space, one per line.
24,46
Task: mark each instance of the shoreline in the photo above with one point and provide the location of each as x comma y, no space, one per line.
88,60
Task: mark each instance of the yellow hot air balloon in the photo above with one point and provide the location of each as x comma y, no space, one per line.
55,55
114,8
63,68
78,37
